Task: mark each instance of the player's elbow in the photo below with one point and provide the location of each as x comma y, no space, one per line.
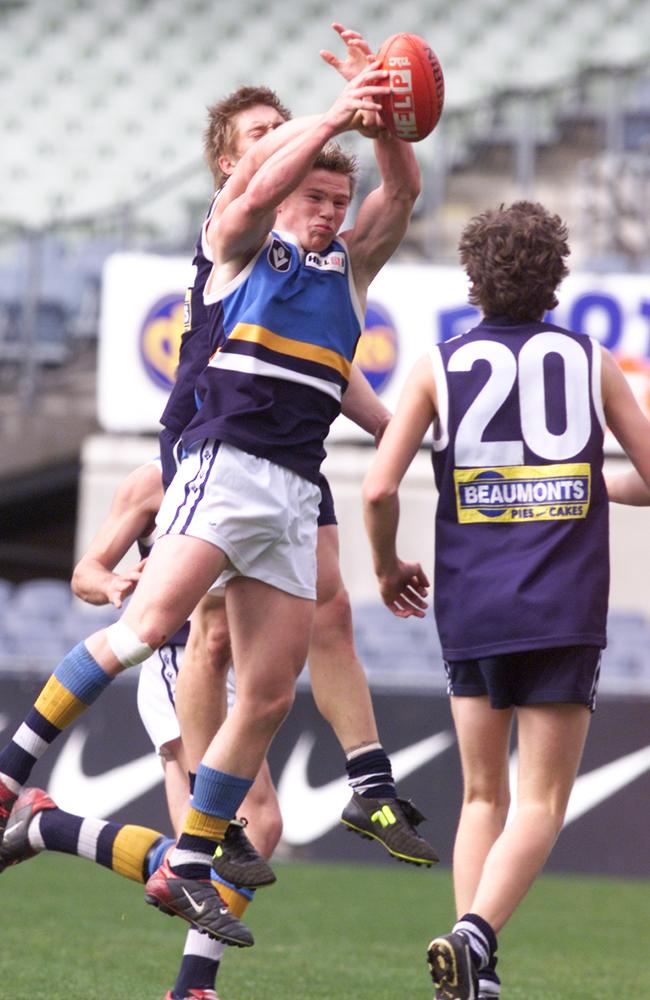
413,184
77,585
406,193
378,492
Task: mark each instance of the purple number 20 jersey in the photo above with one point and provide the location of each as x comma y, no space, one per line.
522,550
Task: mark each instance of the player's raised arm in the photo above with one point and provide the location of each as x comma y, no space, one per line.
246,221
385,213
131,516
272,136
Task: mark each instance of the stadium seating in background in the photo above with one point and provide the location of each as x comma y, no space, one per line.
107,100
40,620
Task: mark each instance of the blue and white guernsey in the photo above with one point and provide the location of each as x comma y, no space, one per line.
522,559
291,322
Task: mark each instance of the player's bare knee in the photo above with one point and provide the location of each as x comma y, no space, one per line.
333,617
269,709
217,646
129,647
270,833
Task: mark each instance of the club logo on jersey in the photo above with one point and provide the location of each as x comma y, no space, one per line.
160,339
334,261
377,350
279,256
523,493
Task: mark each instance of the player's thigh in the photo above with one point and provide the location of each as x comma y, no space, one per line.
176,575
483,735
328,579
270,632
209,638
551,739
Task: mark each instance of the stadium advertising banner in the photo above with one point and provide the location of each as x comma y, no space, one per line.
410,307
105,767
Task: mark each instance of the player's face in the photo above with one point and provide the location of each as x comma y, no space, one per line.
252,124
316,209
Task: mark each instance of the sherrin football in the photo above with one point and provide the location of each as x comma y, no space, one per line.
412,110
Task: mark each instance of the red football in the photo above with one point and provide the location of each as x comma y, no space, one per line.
412,110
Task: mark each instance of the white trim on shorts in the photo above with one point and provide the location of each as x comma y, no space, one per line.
157,694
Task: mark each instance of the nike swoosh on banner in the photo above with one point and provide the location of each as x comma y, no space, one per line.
103,794
308,812
592,788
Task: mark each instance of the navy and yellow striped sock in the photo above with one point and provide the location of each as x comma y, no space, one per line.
235,896
216,798
75,684
124,848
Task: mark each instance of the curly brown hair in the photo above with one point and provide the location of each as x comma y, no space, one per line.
220,129
514,258
333,157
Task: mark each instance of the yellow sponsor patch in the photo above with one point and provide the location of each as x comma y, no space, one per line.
523,493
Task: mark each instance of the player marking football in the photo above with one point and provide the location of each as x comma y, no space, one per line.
270,584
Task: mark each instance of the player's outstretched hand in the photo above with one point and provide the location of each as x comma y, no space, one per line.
361,94
358,53
123,584
404,590
359,56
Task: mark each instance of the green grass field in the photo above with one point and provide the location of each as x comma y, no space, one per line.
72,931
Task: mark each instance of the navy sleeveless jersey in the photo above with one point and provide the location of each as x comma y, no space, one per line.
291,322
522,547
202,332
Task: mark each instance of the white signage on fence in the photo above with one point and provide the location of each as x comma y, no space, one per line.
410,307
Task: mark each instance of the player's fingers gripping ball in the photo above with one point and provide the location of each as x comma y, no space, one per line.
412,110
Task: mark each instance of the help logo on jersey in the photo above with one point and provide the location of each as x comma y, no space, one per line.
523,493
333,261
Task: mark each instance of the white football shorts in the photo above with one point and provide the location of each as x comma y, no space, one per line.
157,695
261,515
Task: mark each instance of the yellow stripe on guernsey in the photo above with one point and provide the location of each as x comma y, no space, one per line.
291,348
58,705
130,848
523,493
200,824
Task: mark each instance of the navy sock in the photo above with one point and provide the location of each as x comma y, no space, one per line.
370,774
481,938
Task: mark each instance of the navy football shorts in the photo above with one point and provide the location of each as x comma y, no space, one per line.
566,674
326,514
